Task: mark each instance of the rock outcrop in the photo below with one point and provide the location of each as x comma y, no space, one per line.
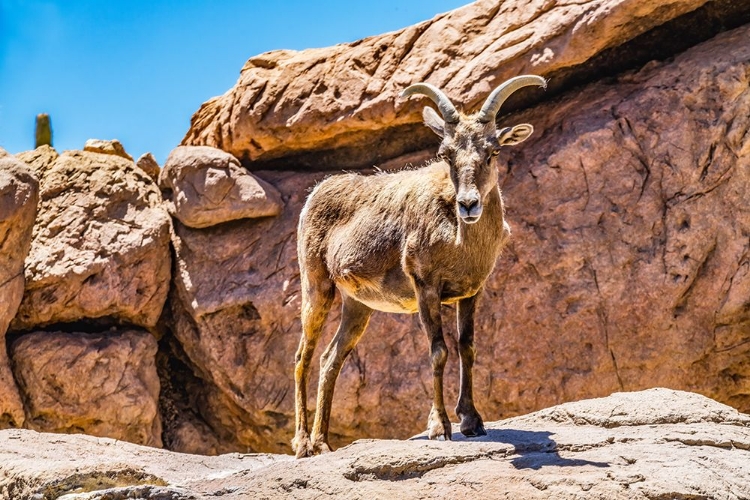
77,467
653,444
222,262
337,107
628,268
102,384
100,248
19,193
107,147
208,187
148,164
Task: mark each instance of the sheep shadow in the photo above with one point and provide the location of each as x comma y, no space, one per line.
535,449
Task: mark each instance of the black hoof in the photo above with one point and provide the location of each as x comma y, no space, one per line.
475,429
479,431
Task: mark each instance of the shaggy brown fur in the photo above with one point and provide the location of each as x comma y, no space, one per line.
402,242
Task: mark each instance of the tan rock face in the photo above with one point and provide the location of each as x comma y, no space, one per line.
19,194
210,187
652,444
101,242
653,455
343,99
99,384
112,147
235,326
148,164
627,269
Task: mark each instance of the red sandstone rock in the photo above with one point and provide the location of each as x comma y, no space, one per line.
208,186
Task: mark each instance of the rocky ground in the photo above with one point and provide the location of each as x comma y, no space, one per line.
654,444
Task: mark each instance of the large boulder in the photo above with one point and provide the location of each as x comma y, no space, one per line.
628,268
209,186
341,102
102,384
100,248
629,265
652,444
19,194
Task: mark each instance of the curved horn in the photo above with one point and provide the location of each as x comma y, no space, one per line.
446,107
499,95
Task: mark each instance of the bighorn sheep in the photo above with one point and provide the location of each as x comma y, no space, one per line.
406,242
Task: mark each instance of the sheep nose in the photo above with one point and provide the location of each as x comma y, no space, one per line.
469,208
469,204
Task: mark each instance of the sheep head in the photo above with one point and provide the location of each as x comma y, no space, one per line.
470,143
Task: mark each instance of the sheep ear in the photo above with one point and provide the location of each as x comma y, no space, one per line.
510,136
433,120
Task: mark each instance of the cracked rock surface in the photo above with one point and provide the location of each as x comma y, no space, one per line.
629,265
100,245
102,384
234,306
646,445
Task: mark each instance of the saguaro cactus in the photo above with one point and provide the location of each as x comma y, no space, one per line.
43,130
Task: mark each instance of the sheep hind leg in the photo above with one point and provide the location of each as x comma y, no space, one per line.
317,297
471,422
354,319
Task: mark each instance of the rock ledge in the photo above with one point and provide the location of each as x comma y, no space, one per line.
657,443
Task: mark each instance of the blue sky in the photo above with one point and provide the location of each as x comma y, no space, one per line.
137,70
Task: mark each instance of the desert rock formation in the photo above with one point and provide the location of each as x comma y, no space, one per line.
102,384
208,187
628,266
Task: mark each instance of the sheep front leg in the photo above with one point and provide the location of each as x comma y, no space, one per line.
471,421
428,297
